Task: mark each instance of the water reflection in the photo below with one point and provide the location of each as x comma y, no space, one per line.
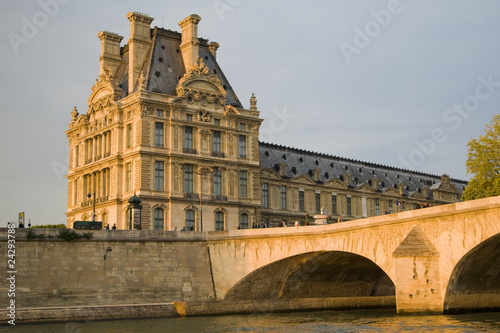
317,322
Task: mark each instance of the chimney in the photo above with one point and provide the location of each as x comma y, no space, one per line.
138,45
189,41
110,52
213,46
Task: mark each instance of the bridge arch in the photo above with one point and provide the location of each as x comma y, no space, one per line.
475,280
318,274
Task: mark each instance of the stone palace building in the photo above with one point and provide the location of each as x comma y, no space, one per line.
164,124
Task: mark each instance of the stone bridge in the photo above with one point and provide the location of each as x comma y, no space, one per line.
433,260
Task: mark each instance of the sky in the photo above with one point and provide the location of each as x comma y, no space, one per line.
398,83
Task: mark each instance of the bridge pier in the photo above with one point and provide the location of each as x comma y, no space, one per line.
418,285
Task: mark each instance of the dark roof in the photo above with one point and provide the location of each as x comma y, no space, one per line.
164,65
333,167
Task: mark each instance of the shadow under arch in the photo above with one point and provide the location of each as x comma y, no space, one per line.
474,283
322,274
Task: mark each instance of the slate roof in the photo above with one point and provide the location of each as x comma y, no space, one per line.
164,65
333,167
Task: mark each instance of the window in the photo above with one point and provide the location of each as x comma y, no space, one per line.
334,204
188,178
217,142
159,135
318,202
104,219
158,216
217,182
244,221
219,221
243,184
189,117
390,207
189,219
301,201
242,126
159,113
349,213
217,122
77,155
283,197
129,135
188,137
243,146
265,194
159,178
128,177
377,207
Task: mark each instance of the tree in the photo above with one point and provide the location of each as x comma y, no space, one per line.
483,161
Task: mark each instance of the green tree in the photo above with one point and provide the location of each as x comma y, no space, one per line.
483,162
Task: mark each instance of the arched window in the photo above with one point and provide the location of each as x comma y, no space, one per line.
189,219
158,215
219,221
244,221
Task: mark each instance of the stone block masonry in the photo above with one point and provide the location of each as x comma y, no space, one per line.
112,268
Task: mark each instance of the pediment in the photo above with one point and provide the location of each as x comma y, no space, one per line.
268,173
199,83
417,196
446,188
336,183
303,179
365,188
391,191
231,110
103,94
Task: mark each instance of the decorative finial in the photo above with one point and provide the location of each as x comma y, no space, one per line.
142,81
253,103
74,114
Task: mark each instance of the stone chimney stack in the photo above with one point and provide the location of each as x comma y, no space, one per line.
189,41
213,46
110,52
138,45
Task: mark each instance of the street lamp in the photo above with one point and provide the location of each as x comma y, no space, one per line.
93,212
135,212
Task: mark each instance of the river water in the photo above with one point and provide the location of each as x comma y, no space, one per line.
324,321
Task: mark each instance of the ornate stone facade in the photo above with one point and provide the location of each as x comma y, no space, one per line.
164,123
178,137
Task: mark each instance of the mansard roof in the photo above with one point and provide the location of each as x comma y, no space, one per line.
164,65
303,162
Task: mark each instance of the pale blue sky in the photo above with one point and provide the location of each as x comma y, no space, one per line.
375,81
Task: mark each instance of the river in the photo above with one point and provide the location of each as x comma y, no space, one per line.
322,321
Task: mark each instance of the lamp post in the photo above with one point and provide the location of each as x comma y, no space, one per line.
135,212
202,171
93,211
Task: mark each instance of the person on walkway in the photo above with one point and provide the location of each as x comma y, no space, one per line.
297,223
114,226
340,219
